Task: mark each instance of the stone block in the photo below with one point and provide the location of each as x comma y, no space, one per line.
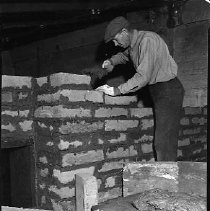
147,124
86,192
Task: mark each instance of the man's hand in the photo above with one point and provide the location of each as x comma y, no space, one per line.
107,65
109,90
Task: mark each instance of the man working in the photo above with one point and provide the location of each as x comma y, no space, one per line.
155,67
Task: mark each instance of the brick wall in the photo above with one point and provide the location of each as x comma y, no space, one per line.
76,129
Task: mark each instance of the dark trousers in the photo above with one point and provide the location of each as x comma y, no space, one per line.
167,98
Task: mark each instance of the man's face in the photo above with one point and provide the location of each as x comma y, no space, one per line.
122,39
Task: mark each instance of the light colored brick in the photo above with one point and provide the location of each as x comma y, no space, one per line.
197,151
61,112
147,123
205,146
121,138
199,121
141,112
74,95
146,148
111,112
86,192
81,127
110,194
82,157
122,100
111,166
43,159
120,152
26,125
63,145
8,127
185,121
56,206
68,176
191,131
132,151
184,142
192,111
120,125
64,192
9,113
59,79
110,182
202,139
16,81
49,98
41,81
6,97
205,111
94,96
144,138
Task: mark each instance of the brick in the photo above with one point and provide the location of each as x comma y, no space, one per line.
41,81
120,152
120,125
192,111
86,192
147,123
6,97
94,96
110,194
110,182
185,121
184,142
121,138
199,121
81,127
61,112
205,111
49,98
132,151
23,95
24,113
82,157
146,148
111,112
122,100
16,81
141,112
68,176
9,113
43,159
197,151
191,131
144,138
74,95
26,125
111,165
202,139
8,127
63,193
59,79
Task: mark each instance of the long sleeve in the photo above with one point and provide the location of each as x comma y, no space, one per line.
147,53
120,58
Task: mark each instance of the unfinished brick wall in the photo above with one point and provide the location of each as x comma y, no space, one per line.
76,129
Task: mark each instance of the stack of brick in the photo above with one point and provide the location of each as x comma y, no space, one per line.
17,107
80,130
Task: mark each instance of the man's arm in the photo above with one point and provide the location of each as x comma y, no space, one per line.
120,58
146,62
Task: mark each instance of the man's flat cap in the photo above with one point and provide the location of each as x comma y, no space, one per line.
115,26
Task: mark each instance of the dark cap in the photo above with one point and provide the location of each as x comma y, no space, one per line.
114,27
